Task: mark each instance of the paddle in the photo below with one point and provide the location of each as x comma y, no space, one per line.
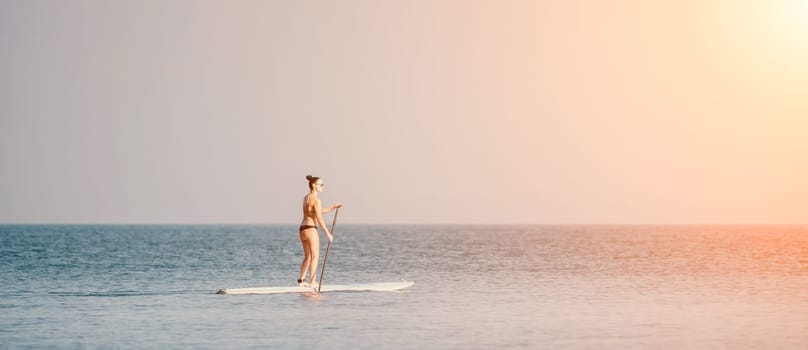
322,272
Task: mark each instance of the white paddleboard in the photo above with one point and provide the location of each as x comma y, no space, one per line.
381,287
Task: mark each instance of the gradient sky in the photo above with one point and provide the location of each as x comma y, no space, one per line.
579,112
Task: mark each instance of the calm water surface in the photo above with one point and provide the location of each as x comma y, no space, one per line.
477,287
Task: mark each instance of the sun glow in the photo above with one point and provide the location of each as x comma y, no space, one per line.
791,20
783,35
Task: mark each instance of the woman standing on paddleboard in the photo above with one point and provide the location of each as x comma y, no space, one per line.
309,236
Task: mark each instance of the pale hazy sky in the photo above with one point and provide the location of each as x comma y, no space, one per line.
411,111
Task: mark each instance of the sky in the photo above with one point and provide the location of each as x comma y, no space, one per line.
480,112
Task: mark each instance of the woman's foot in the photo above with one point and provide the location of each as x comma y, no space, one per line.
300,283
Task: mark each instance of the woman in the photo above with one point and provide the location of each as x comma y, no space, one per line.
309,237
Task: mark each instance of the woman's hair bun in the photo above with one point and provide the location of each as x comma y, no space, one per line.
312,181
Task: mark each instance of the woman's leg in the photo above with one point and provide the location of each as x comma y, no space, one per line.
314,253
306,256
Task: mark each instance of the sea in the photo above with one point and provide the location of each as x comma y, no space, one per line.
476,287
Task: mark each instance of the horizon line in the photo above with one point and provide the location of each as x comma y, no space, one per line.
393,224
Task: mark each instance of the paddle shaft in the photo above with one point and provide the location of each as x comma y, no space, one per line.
328,248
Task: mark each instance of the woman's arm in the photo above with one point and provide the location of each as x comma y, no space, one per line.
318,212
338,205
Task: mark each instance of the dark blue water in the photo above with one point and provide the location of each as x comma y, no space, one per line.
477,287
